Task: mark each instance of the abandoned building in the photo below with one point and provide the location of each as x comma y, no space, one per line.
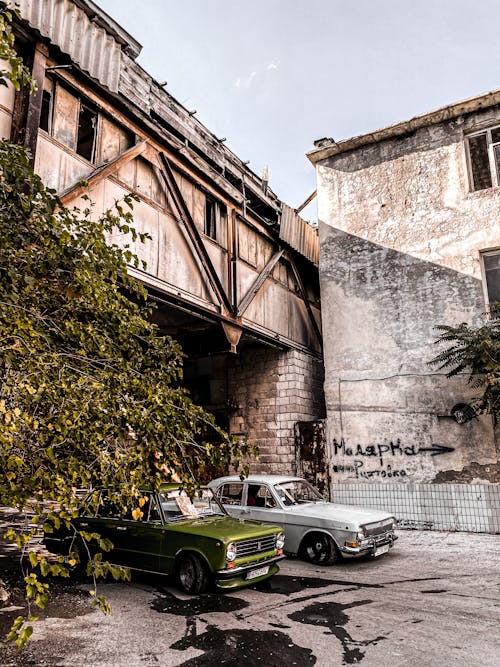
410,239
231,268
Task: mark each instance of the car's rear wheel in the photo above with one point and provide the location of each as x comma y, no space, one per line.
319,549
192,574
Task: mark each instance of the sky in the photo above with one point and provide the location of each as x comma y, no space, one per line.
274,75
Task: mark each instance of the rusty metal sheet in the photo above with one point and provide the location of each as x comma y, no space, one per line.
87,43
299,234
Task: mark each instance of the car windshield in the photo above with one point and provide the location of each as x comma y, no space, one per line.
177,505
297,491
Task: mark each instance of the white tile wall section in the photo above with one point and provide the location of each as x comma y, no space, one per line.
462,507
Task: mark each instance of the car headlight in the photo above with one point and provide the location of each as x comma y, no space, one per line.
361,533
230,551
280,540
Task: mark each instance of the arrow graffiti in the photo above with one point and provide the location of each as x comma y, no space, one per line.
436,450
391,449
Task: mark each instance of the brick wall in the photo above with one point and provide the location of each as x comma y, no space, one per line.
269,391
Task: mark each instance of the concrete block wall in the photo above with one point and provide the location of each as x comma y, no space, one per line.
462,507
269,391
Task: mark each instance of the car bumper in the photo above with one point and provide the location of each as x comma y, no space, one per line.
236,577
371,547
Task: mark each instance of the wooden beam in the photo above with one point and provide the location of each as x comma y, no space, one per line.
102,172
307,201
35,101
193,233
305,299
259,281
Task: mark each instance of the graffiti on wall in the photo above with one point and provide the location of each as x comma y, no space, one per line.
371,461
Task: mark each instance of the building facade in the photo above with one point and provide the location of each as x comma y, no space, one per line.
231,268
409,222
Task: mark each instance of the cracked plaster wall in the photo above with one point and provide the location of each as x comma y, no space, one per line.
400,238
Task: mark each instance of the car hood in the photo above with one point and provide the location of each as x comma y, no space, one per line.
225,528
342,515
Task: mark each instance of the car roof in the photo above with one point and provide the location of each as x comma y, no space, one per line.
256,479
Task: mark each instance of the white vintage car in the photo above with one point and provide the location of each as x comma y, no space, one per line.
319,531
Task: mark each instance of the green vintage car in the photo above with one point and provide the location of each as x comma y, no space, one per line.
194,540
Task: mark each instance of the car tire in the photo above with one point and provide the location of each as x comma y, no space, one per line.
320,549
192,574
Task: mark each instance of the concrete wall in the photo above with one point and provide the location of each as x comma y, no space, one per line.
400,238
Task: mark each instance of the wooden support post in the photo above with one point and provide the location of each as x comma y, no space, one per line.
193,233
35,101
259,281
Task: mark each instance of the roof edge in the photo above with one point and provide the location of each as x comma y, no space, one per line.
328,147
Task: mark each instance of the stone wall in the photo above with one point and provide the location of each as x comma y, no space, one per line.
271,390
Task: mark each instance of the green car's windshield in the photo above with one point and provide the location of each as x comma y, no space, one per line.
177,506
297,491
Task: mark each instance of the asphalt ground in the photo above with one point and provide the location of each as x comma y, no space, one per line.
433,600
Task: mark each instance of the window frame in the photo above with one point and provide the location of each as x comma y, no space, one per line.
494,170
482,255
210,225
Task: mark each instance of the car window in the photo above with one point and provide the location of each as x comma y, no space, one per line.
296,492
151,513
230,494
177,506
107,508
259,495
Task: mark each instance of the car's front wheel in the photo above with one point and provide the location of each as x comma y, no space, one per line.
319,549
192,574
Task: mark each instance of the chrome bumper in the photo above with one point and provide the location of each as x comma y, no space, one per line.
370,546
228,573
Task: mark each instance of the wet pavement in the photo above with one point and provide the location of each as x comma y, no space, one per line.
433,600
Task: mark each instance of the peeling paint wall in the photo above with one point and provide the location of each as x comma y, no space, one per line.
400,239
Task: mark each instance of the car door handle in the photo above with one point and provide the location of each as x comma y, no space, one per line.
84,525
121,527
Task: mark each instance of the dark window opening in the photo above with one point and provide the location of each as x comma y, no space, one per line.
87,130
46,111
210,227
480,162
491,262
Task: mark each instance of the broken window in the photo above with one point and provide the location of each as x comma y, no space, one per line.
46,110
491,265
87,132
70,119
210,227
484,159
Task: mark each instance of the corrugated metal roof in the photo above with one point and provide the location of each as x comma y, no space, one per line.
88,44
295,231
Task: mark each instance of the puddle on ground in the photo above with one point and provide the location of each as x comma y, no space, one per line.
166,603
286,585
244,647
332,615
435,590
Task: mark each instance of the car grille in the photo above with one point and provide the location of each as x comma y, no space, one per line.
379,528
255,546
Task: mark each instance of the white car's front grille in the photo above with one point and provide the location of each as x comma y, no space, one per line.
379,528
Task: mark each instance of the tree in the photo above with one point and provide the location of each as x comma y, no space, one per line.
91,392
475,350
